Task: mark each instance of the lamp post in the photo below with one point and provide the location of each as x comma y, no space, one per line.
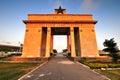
20,46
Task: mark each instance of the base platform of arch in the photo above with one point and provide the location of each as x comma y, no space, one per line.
27,59
42,59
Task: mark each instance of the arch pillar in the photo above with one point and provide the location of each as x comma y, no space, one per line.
51,44
68,43
48,42
32,42
73,54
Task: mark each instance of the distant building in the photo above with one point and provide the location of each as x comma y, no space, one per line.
103,53
5,47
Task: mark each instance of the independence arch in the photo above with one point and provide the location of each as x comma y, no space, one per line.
40,29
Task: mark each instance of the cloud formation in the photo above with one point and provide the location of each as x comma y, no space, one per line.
90,4
56,3
6,42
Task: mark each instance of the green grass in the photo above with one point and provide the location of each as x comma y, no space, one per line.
13,71
95,64
112,74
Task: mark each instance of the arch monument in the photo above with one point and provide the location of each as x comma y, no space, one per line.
40,29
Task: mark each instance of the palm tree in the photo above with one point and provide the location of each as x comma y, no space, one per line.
112,48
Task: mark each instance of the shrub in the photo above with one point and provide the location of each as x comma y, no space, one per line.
83,61
96,65
114,65
92,61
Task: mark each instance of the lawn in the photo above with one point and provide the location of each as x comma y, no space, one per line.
112,74
13,71
96,64
111,70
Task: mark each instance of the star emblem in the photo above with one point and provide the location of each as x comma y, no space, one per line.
60,10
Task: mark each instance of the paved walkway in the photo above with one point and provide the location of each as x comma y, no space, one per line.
60,68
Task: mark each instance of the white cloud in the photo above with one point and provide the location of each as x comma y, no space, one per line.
56,3
90,4
6,42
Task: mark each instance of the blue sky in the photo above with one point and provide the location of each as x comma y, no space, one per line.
12,12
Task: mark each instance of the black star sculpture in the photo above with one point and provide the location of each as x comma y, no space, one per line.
60,10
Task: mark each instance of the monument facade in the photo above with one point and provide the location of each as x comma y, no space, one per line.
79,28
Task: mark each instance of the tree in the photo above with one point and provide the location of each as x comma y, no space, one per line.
54,50
112,48
64,50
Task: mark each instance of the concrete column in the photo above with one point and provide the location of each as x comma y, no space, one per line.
43,44
88,44
32,42
68,43
51,44
40,41
72,42
48,42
